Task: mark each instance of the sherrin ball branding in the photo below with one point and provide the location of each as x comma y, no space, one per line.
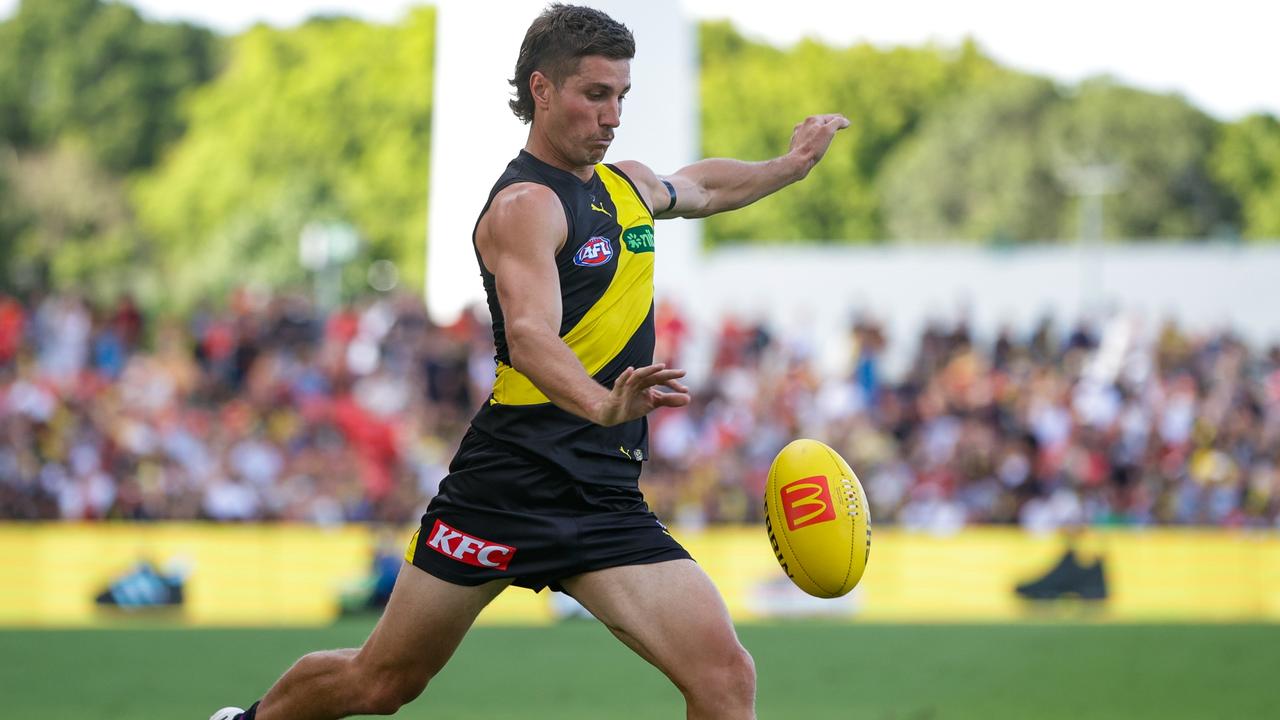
817,519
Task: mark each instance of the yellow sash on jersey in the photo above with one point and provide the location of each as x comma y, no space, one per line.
604,331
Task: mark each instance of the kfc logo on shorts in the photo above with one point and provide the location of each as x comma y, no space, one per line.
470,550
807,502
596,251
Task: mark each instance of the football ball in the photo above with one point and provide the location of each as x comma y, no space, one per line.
817,518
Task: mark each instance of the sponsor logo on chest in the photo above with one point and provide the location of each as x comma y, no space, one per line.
639,239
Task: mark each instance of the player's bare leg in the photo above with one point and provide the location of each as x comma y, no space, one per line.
423,623
671,614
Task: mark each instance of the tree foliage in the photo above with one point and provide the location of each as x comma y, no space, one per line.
97,73
997,165
14,219
977,168
89,93
753,94
1160,143
160,154
329,121
76,228
1247,160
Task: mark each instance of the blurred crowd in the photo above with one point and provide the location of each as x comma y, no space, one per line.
1083,426
267,409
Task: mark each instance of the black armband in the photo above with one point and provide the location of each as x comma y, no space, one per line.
671,190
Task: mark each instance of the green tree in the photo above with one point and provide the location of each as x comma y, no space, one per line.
97,73
996,165
1246,159
977,169
14,219
329,121
1161,144
74,226
752,94
89,92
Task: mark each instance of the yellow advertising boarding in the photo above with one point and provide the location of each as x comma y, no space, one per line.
51,573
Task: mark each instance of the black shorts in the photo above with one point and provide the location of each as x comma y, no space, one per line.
501,513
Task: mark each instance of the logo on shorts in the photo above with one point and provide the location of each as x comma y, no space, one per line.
807,501
468,549
596,251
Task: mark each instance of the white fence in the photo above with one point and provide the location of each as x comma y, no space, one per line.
811,293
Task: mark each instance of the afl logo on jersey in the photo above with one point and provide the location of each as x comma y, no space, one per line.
596,251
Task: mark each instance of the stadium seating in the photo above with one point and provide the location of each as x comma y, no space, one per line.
269,410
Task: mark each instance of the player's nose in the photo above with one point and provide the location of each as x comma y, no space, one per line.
611,117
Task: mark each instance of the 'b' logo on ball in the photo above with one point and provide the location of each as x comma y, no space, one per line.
807,501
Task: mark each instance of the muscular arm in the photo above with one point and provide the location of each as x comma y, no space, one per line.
718,185
518,239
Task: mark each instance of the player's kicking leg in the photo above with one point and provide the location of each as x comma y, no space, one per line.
673,616
423,623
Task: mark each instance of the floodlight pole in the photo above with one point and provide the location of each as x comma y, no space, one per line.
324,249
1091,183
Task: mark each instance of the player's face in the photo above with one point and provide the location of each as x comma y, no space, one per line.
586,108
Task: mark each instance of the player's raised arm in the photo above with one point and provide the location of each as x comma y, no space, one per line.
518,240
718,185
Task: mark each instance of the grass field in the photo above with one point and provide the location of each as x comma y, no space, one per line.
577,670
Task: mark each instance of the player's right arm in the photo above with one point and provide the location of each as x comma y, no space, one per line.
518,240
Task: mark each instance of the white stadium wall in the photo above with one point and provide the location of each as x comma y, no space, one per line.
812,293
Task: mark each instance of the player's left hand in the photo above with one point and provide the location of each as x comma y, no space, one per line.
813,135
639,391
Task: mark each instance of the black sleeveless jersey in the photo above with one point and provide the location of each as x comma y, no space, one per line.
606,292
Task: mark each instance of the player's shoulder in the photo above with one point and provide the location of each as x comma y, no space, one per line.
525,197
645,180
522,210
639,173
526,202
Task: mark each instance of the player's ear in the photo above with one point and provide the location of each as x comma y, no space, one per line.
540,89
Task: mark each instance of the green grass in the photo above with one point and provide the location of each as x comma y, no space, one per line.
577,670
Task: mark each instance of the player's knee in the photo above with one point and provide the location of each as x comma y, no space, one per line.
388,691
740,674
730,681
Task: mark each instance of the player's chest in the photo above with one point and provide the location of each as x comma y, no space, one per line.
608,237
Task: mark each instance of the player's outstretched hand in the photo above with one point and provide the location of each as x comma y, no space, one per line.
813,136
637,391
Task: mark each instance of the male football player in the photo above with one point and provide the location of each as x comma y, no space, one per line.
544,489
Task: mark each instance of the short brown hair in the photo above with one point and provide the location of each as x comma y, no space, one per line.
557,39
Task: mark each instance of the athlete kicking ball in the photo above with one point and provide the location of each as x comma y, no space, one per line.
543,491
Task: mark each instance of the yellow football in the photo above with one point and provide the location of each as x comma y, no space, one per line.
817,517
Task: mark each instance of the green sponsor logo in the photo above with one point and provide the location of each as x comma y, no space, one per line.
639,239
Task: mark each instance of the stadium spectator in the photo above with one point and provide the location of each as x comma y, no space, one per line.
268,410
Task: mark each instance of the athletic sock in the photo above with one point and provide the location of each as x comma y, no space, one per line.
251,712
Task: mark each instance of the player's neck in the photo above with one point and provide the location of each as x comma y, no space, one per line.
539,146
